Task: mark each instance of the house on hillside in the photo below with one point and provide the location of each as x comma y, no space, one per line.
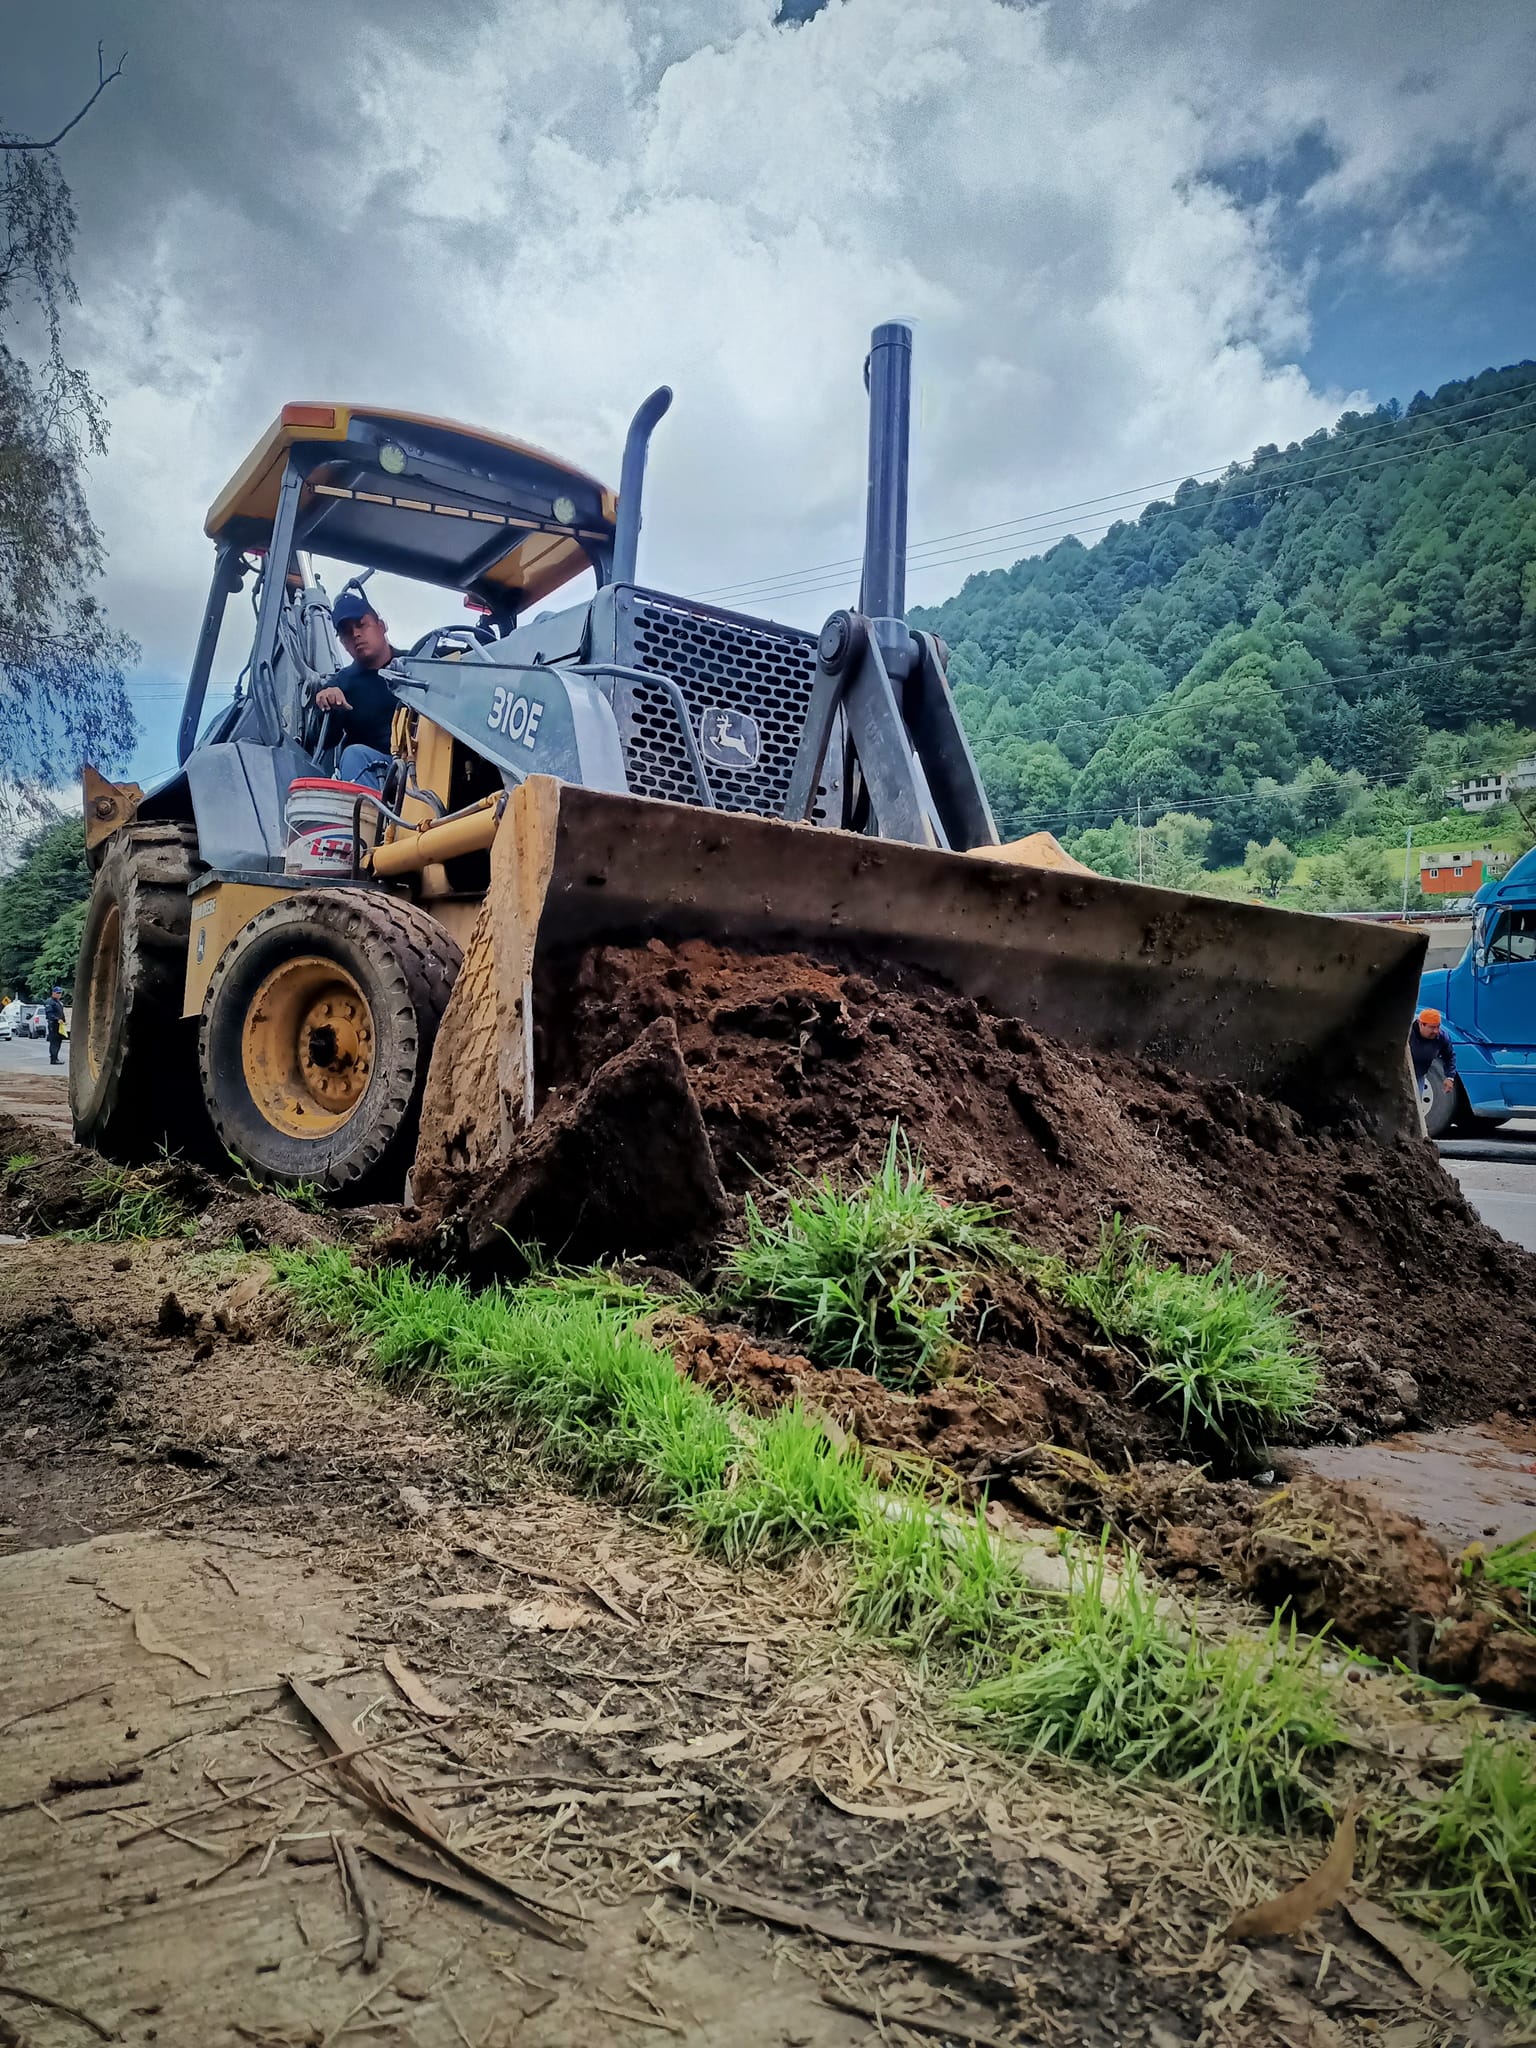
1462,871
1482,792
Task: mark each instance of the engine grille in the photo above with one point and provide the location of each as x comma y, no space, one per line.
720,663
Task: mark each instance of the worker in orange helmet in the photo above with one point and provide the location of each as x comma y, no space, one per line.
1427,1042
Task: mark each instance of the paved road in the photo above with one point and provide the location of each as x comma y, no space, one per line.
1504,1195
29,1087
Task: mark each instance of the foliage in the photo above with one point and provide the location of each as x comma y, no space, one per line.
1103,1677
1218,1343
41,904
1358,607
1475,1850
1270,867
133,1205
934,1582
880,1277
59,954
62,695
1514,1565
794,1487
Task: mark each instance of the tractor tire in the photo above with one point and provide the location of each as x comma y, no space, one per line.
316,1035
133,1057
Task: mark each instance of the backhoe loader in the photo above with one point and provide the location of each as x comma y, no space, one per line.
631,766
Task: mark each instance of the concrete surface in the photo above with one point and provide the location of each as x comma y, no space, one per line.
1502,1189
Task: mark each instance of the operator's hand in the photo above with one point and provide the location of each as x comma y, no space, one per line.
331,699
1449,1086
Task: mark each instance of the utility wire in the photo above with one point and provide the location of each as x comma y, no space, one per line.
1039,542
1134,495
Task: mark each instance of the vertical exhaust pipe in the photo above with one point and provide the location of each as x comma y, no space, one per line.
888,375
626,531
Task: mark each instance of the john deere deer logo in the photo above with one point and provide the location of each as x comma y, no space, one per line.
728,739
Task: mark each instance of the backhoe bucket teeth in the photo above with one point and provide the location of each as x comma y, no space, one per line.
1311,1010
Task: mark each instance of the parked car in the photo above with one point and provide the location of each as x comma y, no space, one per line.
33,1023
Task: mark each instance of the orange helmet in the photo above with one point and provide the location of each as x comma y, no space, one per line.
1430,1019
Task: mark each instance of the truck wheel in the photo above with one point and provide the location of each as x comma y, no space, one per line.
316,1035
1439,1107
133,1057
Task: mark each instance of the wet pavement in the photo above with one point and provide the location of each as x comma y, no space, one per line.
1502,1191
1471,1485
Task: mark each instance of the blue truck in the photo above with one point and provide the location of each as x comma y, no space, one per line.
1487,1002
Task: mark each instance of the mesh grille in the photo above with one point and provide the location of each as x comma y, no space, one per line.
721,663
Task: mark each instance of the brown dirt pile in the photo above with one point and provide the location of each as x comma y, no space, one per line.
1417,1309
65,1187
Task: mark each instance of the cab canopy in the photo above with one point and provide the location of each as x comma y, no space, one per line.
425,498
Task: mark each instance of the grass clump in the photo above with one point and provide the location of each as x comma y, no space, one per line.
1098,1674
20,1161
1475,1845
565,1360
936,1583
1219,1344
880,1277
1513,1565
793,1487
303,1194
132,1206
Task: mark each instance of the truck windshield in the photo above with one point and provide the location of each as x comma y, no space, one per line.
1511,935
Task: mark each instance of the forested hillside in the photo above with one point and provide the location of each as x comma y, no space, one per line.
1314,643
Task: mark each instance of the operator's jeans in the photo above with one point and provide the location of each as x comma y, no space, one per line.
365,766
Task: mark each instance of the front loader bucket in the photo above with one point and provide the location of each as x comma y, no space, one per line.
1309,1009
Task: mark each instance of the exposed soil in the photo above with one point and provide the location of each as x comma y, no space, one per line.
249,1510
1418,1310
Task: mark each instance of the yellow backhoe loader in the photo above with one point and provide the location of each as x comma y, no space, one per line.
636,765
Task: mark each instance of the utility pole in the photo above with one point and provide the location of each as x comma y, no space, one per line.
1139,875
1407,862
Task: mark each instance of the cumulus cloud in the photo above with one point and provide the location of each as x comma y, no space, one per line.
528,212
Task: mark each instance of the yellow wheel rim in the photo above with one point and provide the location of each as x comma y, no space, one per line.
102,990
307,1047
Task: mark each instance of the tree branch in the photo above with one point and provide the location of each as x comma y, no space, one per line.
103,79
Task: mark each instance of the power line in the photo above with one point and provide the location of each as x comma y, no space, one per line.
1133,495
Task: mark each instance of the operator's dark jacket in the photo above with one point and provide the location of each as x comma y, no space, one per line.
1426,1051
53,1014
373,706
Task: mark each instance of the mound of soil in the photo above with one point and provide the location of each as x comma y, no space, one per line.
1417,1310
68,1187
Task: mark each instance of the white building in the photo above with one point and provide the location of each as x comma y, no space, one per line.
1482,792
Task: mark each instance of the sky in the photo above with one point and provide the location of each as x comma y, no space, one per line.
1136,238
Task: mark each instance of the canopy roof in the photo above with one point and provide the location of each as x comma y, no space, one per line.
422,497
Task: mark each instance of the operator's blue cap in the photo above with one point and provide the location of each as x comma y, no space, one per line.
350,605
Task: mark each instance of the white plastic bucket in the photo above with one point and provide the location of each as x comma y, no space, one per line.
320,825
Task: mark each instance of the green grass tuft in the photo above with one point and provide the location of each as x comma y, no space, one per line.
132,1207
880,1277
1100,1675
1218,1344
20,1161
1476,1846
1514,1565
937,1583
792,1488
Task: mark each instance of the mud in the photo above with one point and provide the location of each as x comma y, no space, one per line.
66,1187
1418,1311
